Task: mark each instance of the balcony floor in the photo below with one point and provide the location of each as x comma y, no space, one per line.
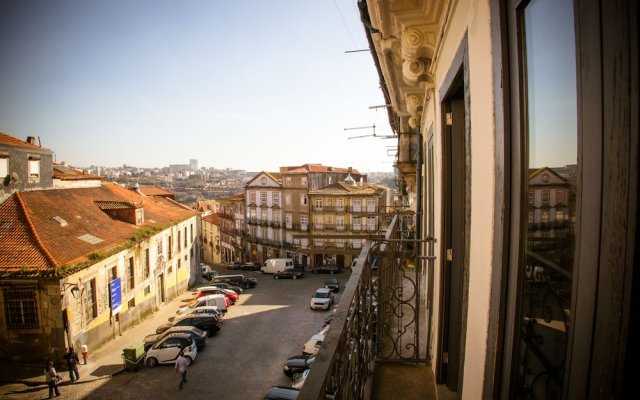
403,381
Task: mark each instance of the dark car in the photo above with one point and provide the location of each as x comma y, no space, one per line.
198,335
207,322
333,284
234,265
293,273
281,393
249,266
235,288
239,280
297,364
327,269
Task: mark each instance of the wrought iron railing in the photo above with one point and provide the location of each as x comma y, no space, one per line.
378,318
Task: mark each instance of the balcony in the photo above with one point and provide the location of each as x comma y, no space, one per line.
377,346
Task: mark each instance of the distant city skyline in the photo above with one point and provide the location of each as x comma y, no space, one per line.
251,85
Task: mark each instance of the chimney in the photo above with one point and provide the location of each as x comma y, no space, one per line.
31,140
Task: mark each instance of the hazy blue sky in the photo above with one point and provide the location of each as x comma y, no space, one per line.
242,84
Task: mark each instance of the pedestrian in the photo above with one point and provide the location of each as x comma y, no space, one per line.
181,366
52,379
72,364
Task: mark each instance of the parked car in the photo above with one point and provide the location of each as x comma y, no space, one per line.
333,284
207,322
218,300
209,290
239,280
327,269
298,379
203,310
292,273
322,299
250,266
198,335
207,272
235,288
274,265
281,393
234,265
312,346
166,351
297,364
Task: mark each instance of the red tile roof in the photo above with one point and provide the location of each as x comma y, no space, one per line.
155,191
213,219
309,168
34,237
66,173
9,140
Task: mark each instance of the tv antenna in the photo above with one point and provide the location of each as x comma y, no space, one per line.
362,127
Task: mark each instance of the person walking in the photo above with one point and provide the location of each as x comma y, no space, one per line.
72,364
181,366
52,379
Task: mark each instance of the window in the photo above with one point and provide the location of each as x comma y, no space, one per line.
170,254
139,216
34,169
330,202
263,198
132,303
131,282
252,197
191,233
288,218
532,198
146,262
303,181
318,221
112,273
340,204
357,205
328,219
340,223
4,165
371,223
303,199
287,199
90,301
20,309
147,290
545,197
159,249
559,214
560,196
264,215
287,181
179,239
318,202
179,263
276,198
185,237
304,220
371,205
357,224
252,213
276,216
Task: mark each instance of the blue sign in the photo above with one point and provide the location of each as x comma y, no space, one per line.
116,295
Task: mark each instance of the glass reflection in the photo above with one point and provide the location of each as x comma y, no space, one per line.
551,129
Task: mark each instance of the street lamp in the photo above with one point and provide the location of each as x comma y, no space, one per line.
75,289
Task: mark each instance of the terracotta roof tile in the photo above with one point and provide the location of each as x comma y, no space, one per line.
213,218
65,173
38,228
155,191
9,140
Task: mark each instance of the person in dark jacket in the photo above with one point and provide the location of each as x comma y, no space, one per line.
72,364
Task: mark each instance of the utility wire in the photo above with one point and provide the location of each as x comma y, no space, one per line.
345,24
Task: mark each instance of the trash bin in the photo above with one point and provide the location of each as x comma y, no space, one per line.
133,356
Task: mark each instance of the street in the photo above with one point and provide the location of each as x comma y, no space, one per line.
267,325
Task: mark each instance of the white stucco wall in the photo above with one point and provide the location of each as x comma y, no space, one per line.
471,18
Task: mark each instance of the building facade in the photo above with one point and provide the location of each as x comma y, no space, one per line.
211,243
24,165
232,228
343,215
530,280
80,265
264,228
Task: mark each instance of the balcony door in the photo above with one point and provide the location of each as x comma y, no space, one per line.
454,259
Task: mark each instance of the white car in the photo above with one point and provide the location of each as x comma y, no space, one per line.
166,351
299,378
313,345
322,299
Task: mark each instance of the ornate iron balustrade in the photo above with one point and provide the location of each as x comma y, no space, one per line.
378,318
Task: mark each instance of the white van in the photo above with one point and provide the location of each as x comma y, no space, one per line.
275,265
218,300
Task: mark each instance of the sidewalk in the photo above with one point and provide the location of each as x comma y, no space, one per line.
102,364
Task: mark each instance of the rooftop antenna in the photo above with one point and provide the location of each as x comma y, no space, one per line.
362,127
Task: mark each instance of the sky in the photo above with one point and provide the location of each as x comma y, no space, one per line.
250,85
